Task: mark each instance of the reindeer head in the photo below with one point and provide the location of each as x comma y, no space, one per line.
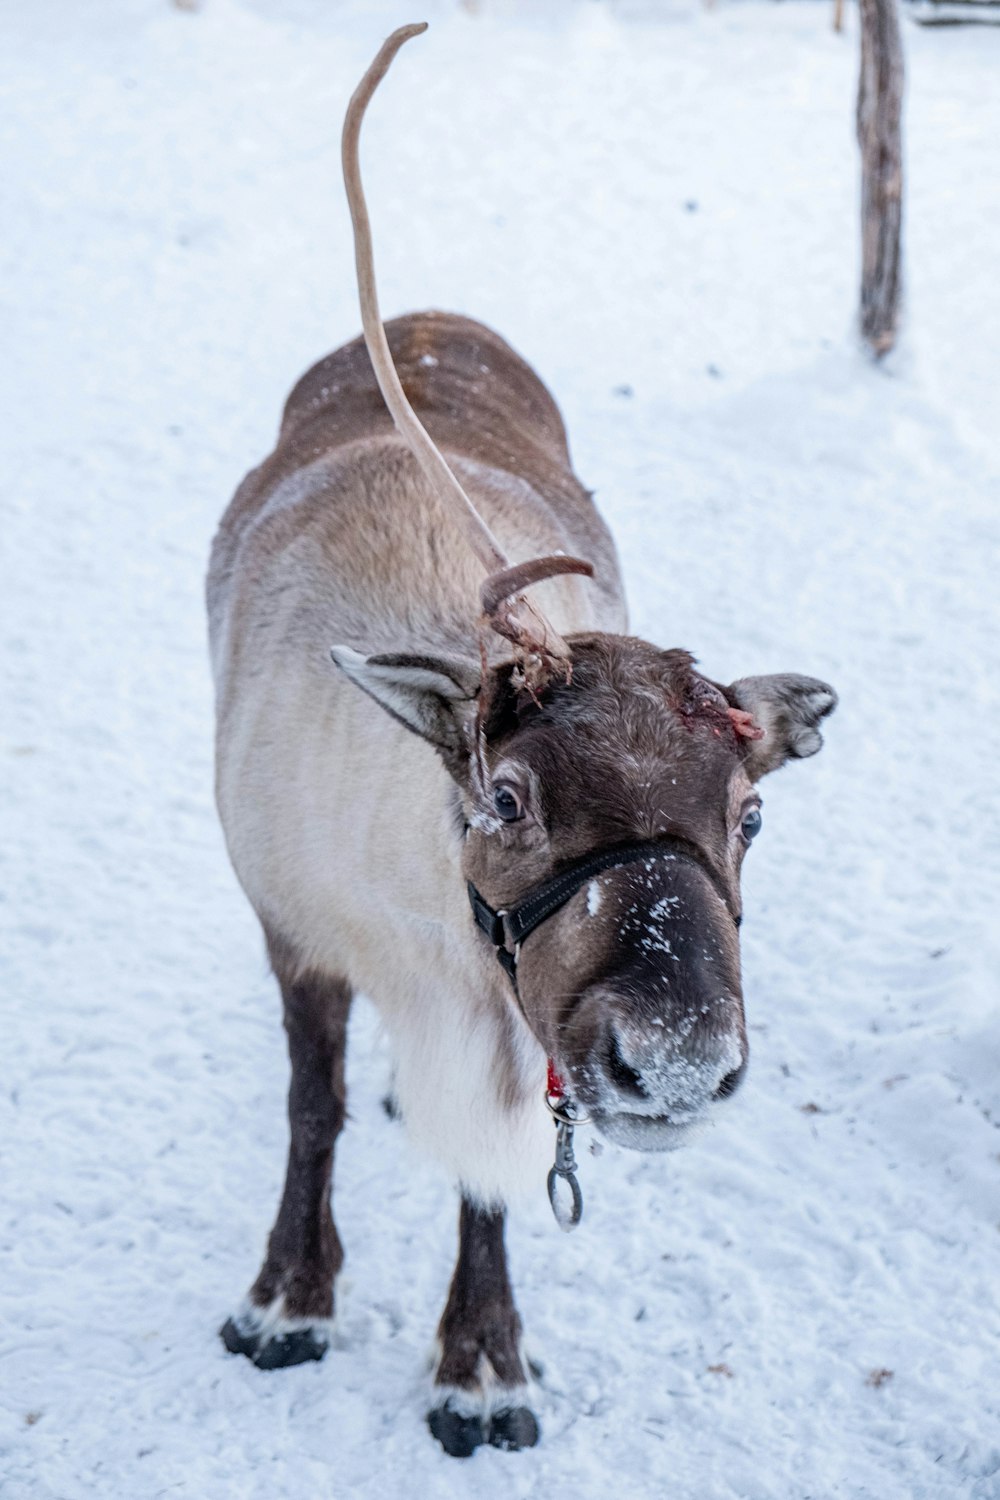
605,751
633,984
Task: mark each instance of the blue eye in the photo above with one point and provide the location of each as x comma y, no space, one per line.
507,804
751,824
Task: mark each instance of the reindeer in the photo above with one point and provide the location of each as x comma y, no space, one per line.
476,778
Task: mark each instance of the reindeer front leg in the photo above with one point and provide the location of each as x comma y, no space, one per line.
287,1316
480,1383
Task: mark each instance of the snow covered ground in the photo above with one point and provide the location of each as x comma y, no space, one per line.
656,204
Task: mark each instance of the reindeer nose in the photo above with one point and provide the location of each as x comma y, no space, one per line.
626,1078
651,1071
732,1081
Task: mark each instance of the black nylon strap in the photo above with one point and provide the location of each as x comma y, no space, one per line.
488,920
491,922
546,899
513,925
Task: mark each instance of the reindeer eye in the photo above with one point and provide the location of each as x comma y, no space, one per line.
507,804
752,823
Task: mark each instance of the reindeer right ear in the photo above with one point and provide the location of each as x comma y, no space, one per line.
430,695
788,709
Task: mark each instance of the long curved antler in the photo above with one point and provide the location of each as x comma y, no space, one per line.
507,611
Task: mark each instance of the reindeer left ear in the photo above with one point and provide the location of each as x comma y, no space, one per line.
788,708
430,695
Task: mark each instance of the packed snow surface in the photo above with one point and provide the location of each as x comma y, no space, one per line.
656,204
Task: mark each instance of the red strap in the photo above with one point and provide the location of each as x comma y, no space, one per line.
554,1087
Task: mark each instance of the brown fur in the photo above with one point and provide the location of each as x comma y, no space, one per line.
482,404
480,1338
341,822
304,1252
636,747
480,1320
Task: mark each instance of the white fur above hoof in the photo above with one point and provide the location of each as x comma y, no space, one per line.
272,1341
463,1421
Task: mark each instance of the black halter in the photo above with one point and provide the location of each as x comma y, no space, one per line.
508,929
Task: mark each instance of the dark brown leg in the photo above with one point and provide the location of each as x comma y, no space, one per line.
481,1384
286,1317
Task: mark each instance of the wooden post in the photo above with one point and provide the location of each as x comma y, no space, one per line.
880,107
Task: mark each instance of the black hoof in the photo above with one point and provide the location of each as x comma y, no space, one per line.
459,1436
277,1351
515,1427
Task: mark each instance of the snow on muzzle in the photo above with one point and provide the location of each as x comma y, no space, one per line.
658,1038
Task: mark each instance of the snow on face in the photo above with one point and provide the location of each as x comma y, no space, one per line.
484,822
